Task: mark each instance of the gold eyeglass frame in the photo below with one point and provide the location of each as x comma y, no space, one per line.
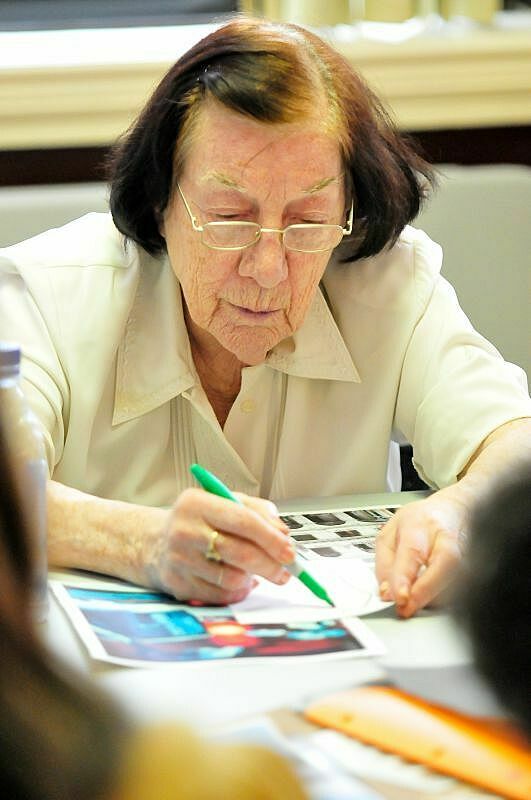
346,231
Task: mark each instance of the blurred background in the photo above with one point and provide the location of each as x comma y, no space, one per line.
455,75
32,14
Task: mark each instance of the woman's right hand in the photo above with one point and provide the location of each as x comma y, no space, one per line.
251,540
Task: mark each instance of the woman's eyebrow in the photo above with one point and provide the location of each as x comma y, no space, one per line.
322,184
230,183
220,177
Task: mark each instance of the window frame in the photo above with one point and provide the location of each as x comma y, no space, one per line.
22,15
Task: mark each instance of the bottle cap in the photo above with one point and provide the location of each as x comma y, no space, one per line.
9,358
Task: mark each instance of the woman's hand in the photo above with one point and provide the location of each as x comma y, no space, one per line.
251,540
418,552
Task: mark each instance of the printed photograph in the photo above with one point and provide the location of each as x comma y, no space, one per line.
181,633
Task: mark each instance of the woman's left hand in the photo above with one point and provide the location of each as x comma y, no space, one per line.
418,552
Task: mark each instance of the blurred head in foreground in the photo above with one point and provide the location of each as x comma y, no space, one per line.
58,737
493,602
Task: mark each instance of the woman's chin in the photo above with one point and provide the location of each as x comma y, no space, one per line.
254,350
250,358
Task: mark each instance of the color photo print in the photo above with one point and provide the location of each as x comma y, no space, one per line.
138,628
335,534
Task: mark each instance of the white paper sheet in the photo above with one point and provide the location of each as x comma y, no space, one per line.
350,583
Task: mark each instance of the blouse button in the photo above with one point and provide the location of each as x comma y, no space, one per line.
247,406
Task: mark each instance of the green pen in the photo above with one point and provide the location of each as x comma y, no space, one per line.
215,486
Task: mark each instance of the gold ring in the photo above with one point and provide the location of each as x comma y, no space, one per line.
220,577
211,553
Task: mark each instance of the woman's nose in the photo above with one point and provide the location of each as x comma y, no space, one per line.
265,261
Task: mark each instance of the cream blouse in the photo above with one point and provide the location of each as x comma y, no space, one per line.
385,353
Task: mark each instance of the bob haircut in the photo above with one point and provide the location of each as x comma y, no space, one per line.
273,73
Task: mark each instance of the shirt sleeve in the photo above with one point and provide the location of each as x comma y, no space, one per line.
455,388
43,379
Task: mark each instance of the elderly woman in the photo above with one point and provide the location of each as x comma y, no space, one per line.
255,302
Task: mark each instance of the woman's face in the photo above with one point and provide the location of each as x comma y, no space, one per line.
239,169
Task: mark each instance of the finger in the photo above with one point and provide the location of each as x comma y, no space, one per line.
242,556
223,576
436,578
197,512
210,570
248,558
216,592
248,525
265,508
412,554
208,582
385,556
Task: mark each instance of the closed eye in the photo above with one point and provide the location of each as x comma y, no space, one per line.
236,216
309,222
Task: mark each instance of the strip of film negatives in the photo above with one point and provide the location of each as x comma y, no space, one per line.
338,534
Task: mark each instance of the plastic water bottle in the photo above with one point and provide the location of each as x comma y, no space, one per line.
27,453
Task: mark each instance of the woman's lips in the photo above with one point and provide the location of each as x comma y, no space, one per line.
254,314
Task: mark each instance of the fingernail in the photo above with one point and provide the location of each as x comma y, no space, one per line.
384,589
284,577
275,518
287,554
405,611
402,594
280,525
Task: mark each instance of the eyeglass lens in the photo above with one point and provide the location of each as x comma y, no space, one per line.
305,238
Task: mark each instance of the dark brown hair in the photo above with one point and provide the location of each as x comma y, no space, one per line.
493,597
59,738
274,73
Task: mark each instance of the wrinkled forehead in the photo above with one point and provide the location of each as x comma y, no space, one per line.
233,151
273,89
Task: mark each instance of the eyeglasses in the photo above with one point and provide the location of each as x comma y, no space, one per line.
237,234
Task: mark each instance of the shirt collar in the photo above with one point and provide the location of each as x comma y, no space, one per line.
317,349
154,360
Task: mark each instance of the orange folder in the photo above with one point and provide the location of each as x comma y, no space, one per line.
486,752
